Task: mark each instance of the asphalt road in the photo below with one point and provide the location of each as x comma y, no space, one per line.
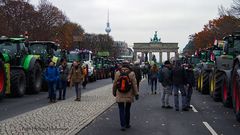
148,118
10,107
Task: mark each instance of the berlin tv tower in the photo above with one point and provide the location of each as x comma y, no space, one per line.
108,29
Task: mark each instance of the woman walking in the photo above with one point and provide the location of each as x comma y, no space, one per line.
75,77
153,77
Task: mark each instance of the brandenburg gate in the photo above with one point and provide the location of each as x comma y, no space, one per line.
155,45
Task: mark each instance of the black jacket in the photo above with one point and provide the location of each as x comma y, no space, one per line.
178,76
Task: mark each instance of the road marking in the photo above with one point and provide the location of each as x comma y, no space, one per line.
210,128
193,108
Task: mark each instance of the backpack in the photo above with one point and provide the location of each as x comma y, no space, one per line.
124,84
160,76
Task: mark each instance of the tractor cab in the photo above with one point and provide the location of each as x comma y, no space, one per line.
232,45
46,50
14,49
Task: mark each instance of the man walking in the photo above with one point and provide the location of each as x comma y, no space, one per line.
138,73
166,83
190,84
125,89
178,80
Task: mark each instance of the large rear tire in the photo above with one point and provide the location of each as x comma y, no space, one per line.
35,79
18,82
216,93
225,92
204,82
236,90
2,79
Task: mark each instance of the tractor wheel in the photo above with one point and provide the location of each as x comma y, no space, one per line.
18,82
225,92
236,91
218,80
2,79
211,83
204,85
199,82
35,79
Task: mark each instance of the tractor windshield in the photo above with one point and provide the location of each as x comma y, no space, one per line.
38,49
72,57
8,47
85,56
217,52
237,45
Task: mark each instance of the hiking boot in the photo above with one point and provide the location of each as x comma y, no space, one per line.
128,126
123,128
169,107
185,109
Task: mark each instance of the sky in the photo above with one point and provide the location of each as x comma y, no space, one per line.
136,20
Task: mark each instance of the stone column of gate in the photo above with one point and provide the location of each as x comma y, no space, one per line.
142,56
176,54
150,56
168,55
160,57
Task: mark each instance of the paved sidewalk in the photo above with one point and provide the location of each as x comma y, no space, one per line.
61,118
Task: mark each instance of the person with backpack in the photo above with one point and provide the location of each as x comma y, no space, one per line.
138,73
75,77
51,76
190,84
125,89
153,76
179,80
64,71
165,80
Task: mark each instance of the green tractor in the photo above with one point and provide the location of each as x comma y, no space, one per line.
225,81
24,69
3,75
206,67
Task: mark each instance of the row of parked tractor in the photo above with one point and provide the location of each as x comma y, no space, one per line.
22,64
217,72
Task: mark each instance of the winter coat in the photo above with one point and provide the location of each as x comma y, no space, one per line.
129,96
51,74
190,79
178,75
153,74
64,71
138,73
166,72
75,75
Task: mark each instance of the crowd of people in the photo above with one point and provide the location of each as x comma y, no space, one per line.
58,77
173,76
126,78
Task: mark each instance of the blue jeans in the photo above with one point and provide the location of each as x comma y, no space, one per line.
62,89
189,95
52,90
176,88
77,89
124,112
154,83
